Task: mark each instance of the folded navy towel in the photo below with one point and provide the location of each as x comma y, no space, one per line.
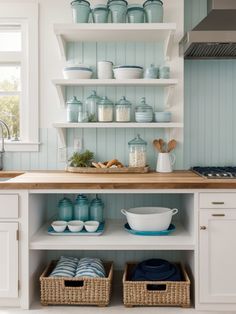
156,270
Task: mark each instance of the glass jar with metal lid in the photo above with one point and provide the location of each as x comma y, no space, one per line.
91,104
143,112
74,106
65,209
105,110
137,152
153,11
80,11
123,110
96,210
100,13
81,208
135,13
118,10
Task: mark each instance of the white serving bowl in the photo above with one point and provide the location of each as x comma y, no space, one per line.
59,225
77,72
91,225
75,225
149,218
128,72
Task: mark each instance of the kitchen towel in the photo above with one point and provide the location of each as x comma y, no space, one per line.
156,270
90,267
66,267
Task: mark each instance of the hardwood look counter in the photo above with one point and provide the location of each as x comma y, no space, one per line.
64,180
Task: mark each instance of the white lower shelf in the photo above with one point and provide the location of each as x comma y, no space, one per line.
114,237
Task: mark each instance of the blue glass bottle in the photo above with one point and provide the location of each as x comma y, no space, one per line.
81,208
96,210
65,209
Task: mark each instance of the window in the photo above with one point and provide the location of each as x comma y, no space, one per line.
19,74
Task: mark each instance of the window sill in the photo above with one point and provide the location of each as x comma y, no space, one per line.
21,146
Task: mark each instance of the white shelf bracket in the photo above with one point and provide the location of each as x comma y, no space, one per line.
62,46
168,96
62,137
61,91
168,45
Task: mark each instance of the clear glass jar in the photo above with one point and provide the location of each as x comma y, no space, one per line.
137,152
81,208
143,112
105,110
123,110
96,210
65,209
74,107
91,104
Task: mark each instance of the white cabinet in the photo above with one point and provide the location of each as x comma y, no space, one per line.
217,273
8,260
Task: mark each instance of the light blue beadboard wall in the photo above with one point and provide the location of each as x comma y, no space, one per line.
210,131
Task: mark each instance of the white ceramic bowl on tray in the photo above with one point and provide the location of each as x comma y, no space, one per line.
75,225
124,72
80,71
91,225
59,225
149,218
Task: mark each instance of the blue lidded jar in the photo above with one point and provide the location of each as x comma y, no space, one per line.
153,11
135,13
74,107
118,9
80,11
96,210
100,13
81,208
65,209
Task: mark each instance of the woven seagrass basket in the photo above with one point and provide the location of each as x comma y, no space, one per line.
155,293
76,291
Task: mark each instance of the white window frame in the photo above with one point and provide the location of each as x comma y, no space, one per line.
26,15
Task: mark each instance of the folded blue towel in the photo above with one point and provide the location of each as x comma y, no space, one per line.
90,267
66,267
156,270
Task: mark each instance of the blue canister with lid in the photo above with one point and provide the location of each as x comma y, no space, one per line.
96,210
80,11
151,72
135,13
118,9
100,13
153,11
65,209
74,107
81,208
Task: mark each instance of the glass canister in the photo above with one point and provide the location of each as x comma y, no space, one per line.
80,11
100,13
153,11
91,104
135,13
81,208
105,110
137,152
65,209
123,110
143,112
74,107
96,210
151,72
118,9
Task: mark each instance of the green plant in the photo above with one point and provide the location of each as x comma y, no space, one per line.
81,159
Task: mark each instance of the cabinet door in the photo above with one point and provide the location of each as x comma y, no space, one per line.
217,273
8,260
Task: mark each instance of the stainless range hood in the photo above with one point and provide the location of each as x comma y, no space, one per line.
215,36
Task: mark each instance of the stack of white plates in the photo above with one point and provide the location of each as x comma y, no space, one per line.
123,72
143,117
79,71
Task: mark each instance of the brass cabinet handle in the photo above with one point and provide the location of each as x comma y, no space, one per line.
217,203
218,215
203,227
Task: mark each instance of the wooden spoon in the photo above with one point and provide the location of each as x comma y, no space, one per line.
162,144
171,145
156,143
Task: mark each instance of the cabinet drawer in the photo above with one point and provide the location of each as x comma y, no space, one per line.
218,200
8,206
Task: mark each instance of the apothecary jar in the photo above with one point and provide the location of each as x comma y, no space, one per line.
137,152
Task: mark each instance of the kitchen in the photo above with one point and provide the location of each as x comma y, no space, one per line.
207,139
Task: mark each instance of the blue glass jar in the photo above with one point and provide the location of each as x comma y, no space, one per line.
65,209
118,9
153,11
80,11
74,107
96,210
152,72
100,13
81,208
135,13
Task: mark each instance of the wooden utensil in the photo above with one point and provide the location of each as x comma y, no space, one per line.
162,144
171,145
157,145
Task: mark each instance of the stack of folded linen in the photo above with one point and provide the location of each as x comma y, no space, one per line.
73,267
156,270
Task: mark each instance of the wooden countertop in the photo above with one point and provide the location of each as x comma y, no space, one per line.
64,180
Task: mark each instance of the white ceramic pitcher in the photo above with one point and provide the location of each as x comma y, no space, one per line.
165,162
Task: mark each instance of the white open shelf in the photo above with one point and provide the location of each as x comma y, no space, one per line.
63,126
61,84
114,237
122,32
